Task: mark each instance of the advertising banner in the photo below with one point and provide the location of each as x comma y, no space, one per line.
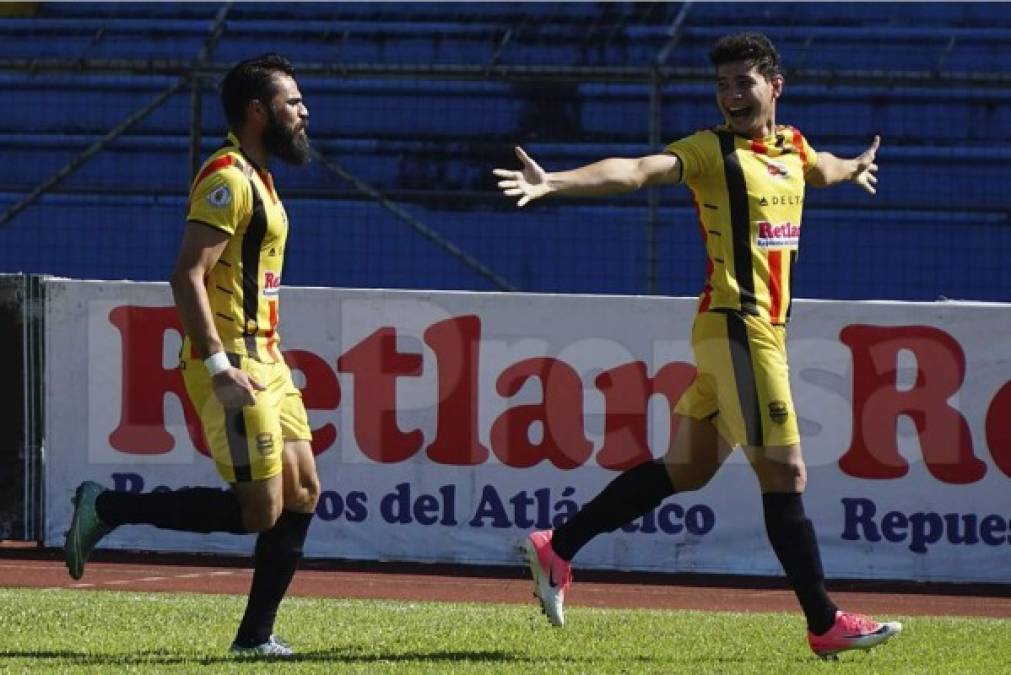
447,425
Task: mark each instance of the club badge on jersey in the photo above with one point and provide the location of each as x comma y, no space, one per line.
219,197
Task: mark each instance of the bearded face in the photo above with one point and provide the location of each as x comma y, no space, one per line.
287,140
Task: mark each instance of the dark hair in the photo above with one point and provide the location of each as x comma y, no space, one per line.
250,80
754,48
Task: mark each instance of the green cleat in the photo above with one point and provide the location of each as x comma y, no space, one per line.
86,528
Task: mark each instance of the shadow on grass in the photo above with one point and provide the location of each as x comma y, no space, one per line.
335,655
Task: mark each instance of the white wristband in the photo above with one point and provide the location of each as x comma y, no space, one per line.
217,363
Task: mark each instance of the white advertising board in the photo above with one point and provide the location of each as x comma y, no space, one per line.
447,425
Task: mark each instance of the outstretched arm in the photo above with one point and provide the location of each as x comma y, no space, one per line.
831,170
610,176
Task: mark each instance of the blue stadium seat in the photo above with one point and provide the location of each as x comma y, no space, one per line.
942,15
362,108
845,253
330,34
939,225
957,116
866,48
160,10
947,177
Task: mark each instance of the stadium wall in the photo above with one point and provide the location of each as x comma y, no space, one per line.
448,424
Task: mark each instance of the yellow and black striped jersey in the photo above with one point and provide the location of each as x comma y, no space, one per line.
749,197
234,195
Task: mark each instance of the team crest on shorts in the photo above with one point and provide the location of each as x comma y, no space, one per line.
219,197
264,442
778,411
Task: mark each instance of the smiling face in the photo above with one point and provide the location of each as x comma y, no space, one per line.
747,99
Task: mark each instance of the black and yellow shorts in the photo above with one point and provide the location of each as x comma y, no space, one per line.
743,381
247,442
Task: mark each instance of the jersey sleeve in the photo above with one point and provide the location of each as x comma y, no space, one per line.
808,155
221,199
694,153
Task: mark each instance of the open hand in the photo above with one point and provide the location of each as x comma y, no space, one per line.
529,184
863,173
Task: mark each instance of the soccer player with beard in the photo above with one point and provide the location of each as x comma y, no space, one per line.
747,178
225,285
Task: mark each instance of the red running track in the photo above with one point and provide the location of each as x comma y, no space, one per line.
31,567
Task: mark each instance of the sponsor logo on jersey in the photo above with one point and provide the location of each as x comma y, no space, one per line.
271,283
781,200
779,412
777,235
776,169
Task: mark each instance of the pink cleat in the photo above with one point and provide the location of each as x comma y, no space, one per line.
851,631
552,575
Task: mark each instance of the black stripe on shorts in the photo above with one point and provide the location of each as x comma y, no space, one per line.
744,377
235,432
238,445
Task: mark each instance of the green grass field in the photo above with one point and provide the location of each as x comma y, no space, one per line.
111,632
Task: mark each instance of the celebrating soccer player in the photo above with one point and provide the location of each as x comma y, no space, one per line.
226,285
747,178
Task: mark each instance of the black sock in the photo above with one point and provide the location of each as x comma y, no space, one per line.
197,509
278,551
627,497
792,537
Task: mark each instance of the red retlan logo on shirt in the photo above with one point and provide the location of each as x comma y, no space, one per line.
271,283
777,235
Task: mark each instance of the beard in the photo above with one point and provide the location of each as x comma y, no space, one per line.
288,145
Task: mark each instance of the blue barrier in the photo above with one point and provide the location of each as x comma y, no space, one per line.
846,254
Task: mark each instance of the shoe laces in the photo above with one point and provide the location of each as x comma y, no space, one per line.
858,623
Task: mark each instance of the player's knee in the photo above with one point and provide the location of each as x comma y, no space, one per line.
785,477
796,473
689,481
310,494
304,498
261,517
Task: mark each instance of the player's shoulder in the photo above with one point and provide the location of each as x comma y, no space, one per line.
706,133
703,142
227,165
699,137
